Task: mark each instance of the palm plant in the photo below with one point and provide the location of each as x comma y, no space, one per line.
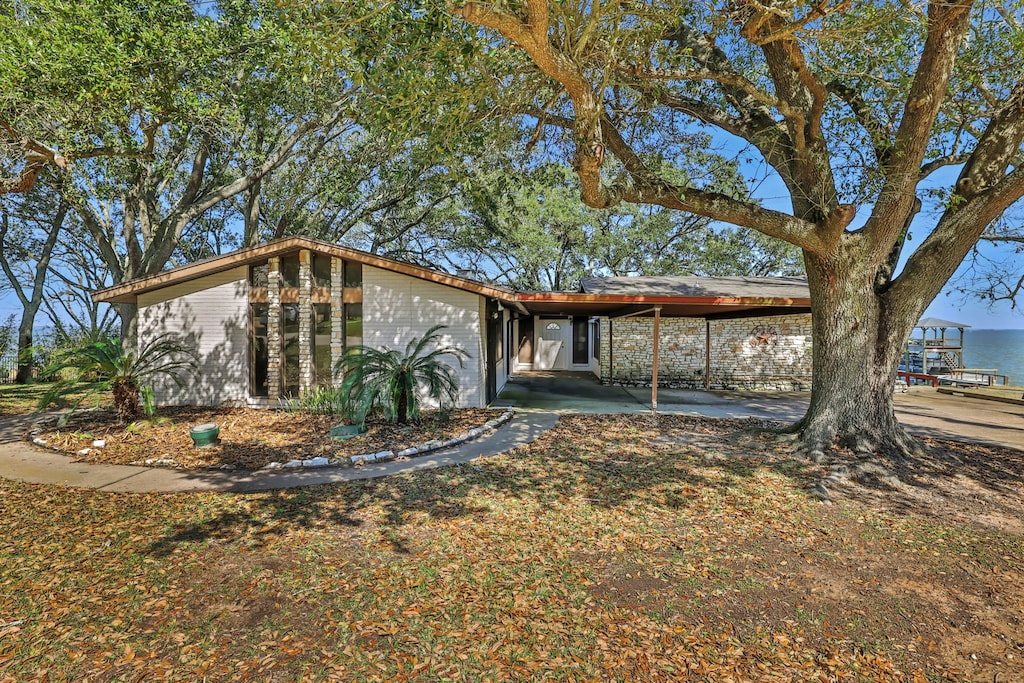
388,379
105,365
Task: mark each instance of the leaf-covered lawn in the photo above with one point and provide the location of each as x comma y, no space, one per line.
250,438
611,549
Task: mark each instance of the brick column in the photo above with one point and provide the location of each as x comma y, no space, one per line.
307,370
606,351
337,313
274,329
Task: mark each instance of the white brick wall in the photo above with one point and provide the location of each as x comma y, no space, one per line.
210,314
398,307
771,352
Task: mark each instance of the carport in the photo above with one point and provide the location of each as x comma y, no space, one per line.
617,298
582,392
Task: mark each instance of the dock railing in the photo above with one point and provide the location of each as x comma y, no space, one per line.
977,377
924,376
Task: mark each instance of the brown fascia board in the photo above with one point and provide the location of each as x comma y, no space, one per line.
128,292
526,298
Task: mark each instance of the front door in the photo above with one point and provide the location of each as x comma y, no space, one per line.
552,342
493,342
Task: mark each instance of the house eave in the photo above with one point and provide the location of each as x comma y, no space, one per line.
575,303
128,292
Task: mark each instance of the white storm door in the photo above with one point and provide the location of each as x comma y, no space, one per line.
552,345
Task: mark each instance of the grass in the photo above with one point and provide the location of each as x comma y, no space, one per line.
604,551
1014,392
22,399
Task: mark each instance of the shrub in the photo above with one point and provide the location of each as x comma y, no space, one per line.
320,401
388,380
104,365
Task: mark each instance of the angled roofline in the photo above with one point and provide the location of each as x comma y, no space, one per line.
128,292
579,297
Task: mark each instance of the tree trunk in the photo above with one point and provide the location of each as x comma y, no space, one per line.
402,407
857,346
401,398
129,326
24,374
126,400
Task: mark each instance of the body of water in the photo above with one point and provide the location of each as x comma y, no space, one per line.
1002,349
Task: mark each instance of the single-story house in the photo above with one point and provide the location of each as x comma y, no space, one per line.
271,321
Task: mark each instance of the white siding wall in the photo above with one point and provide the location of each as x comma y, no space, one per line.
397,308
211,314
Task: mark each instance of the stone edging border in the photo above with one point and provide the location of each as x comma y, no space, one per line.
383,456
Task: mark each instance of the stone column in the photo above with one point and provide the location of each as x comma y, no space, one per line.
337,314
274,329
603,355
307,368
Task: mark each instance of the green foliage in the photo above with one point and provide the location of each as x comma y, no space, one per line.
148,401
390,380
7,335
320,401
104,365
86,73
537,233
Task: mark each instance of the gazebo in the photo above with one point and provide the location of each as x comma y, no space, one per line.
933,349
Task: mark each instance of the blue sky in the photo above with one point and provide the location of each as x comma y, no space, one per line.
951,306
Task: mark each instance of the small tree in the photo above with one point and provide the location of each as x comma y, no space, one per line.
7,328
105,366
388,379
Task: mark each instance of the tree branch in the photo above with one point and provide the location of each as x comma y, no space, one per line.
735,80
957,231
555,65
942,162
947,25
875,130
646,187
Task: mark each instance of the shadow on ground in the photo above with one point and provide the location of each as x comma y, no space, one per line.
608,461
615,461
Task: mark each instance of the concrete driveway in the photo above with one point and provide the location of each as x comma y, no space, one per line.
580,392
922,410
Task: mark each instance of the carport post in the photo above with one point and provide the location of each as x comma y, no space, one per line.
654,366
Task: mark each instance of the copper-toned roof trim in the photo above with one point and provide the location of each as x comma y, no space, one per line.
128,291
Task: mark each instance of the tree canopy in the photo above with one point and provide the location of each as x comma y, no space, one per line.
867,115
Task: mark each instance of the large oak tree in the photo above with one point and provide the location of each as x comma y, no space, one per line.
161,109
864,112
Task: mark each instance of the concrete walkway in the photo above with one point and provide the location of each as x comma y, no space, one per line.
22,462
922,410
539,399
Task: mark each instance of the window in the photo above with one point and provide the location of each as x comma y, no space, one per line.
322,270
290,270
322,344
597,339
553,326
353,325
580,340
353,274
258,350
290,349
259,274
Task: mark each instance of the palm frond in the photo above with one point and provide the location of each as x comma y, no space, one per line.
388,380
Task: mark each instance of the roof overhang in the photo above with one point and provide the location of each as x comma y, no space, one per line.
128,292
614,305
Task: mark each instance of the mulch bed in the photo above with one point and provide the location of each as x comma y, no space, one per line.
249,438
